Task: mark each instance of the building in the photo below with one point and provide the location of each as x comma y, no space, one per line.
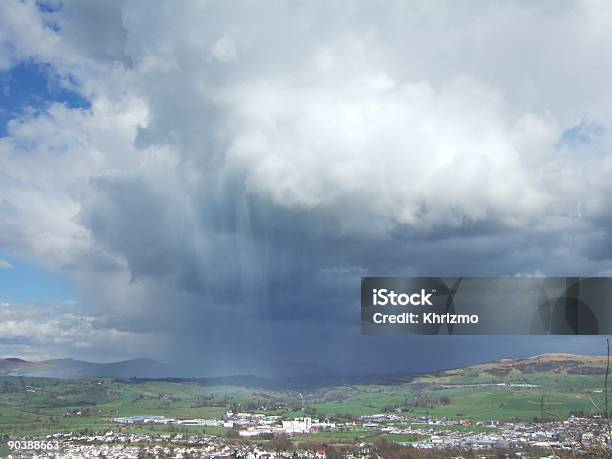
297,426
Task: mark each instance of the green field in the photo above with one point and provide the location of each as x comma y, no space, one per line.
42,405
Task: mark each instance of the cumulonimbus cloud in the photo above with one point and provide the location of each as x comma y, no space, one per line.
250,164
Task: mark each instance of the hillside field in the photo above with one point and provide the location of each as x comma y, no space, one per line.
30,405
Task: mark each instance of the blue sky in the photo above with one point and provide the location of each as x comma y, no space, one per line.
26,283
32,86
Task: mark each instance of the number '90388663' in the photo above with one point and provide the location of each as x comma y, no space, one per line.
32,445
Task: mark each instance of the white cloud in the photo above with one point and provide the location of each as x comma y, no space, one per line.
415,155
5,264
23,33
41,331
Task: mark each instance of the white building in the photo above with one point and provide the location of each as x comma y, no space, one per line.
297,426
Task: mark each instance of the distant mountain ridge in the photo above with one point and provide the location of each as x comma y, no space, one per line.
563,364
309,377
75,369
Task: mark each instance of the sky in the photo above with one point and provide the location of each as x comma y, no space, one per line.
207,182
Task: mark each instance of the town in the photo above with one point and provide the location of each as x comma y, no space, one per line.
282,437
